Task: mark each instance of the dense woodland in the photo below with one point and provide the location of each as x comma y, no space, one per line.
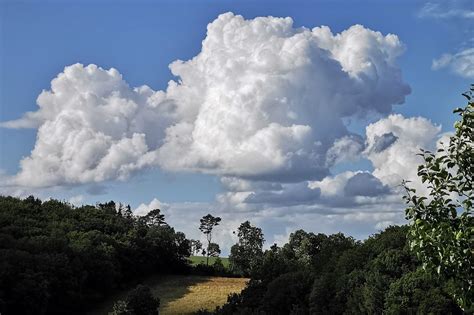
58,259
335,274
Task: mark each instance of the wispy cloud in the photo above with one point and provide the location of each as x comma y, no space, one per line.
445,10
461,63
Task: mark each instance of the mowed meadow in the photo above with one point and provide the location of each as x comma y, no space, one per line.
196,260
184,294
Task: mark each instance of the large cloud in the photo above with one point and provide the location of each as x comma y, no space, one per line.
92,127
392,145
263,100
266,100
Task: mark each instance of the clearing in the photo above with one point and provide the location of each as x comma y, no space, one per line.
185,294
195,260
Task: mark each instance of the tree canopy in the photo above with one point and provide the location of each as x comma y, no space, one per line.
208,222
334,274
57,259
442,226
246,255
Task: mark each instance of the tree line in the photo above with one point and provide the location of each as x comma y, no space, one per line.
335,274
58,259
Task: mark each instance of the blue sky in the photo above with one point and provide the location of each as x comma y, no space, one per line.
141,38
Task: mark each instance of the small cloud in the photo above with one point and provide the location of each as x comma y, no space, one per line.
384,224
29,120
143,209
461,63
445,11
76,200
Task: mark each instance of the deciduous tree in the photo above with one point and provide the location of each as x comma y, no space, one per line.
442,226
247,254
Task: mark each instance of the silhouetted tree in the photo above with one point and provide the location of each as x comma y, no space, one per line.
196,246
208,222
213,250
128,212
155,218
108,207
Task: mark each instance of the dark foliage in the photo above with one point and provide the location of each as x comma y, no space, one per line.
441,219
215,269
56,259
244,256
320,274
140,301
208,223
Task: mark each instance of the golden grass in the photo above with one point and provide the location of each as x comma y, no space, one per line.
205,293
183,294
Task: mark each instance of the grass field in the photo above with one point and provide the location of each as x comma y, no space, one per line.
195,260
185,294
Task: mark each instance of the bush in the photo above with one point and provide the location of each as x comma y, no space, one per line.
139,301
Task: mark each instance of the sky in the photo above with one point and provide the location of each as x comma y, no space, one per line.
290,114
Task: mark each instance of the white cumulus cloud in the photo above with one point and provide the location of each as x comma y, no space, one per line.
268,98
393,144
263,100
143,208
92,127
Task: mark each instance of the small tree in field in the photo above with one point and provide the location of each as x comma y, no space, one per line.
208,222
441,227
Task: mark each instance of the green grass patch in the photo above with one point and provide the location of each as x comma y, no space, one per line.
196,260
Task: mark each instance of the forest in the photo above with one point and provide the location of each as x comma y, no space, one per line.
57,259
